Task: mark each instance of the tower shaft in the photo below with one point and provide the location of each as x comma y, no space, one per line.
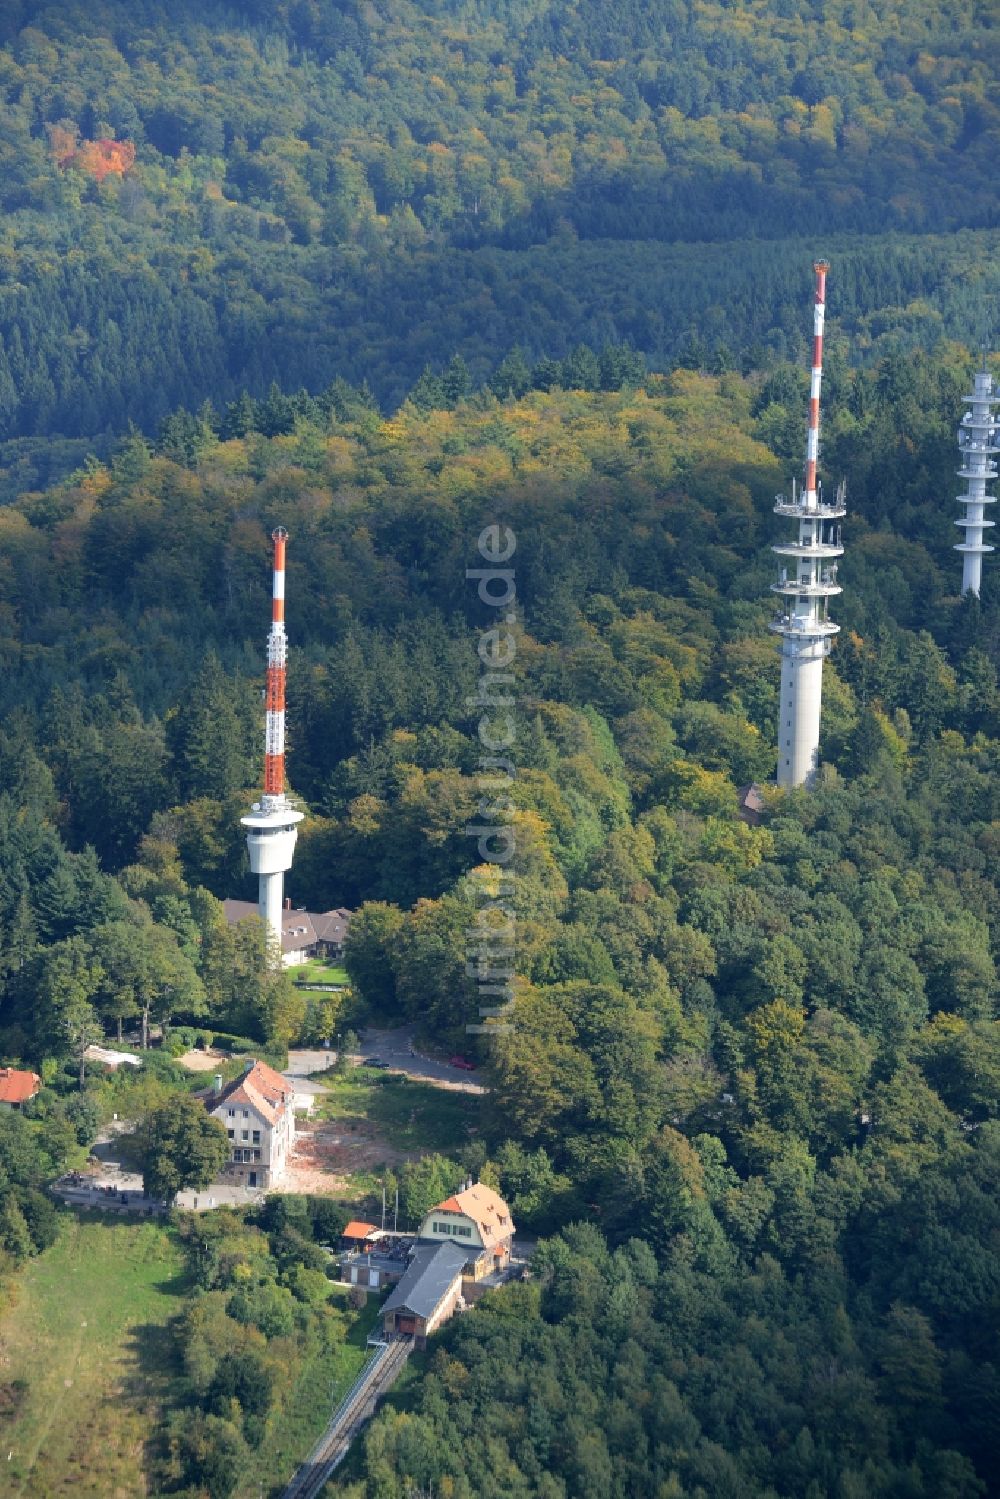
271,822
976,443
806,582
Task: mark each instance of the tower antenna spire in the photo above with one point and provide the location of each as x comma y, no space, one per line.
977,444
271,822
805,630
277,657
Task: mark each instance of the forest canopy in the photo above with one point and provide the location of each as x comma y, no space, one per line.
769,1052
387,275
212,200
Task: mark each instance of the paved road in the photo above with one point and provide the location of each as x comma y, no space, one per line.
396,1047
300,1065
305,1061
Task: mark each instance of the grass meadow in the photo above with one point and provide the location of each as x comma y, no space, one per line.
86,1329
409,1116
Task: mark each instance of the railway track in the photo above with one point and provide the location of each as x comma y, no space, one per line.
351,1414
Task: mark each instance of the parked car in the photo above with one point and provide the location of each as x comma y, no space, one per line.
462,1062
373,1062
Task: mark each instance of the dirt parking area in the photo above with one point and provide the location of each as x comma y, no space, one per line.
203,1061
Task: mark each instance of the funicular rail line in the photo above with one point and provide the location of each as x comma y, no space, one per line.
355,1408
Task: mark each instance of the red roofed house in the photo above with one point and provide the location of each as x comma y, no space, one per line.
17,1087
258,1114
477,1220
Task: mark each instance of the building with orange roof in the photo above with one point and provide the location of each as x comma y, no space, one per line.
257,1112
357,1231
17,1087
478,1220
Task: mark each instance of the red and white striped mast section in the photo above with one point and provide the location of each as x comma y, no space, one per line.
271,823
277,659
806,584
816,380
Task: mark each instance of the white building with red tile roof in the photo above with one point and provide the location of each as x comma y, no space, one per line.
477,1219
257,1112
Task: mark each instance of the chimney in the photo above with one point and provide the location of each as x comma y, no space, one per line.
217,1083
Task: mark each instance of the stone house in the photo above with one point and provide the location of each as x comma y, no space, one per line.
257,1112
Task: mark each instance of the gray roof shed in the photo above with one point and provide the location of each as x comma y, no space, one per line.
429,1277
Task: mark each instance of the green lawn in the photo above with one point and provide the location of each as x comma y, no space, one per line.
410,1116
87,1331
316,971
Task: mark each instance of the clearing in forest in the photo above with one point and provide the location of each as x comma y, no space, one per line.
365,1120
86,1330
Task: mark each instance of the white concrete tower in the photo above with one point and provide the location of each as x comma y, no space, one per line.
271,822
806,582
976,438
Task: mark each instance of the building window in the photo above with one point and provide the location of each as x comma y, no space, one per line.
256,1137
256,1155
232,1113
246,1113
246,1134
231,1133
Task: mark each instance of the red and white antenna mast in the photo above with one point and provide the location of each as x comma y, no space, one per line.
277,659
816,381
271,822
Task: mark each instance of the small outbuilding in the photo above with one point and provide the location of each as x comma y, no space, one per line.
750,804
17,1087
357,1233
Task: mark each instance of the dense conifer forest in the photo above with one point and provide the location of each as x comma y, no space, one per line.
387,274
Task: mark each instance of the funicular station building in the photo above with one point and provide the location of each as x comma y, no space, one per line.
462,1247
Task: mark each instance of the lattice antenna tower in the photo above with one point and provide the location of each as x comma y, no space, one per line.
977,445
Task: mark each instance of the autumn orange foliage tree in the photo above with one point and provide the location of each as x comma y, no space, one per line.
99,159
